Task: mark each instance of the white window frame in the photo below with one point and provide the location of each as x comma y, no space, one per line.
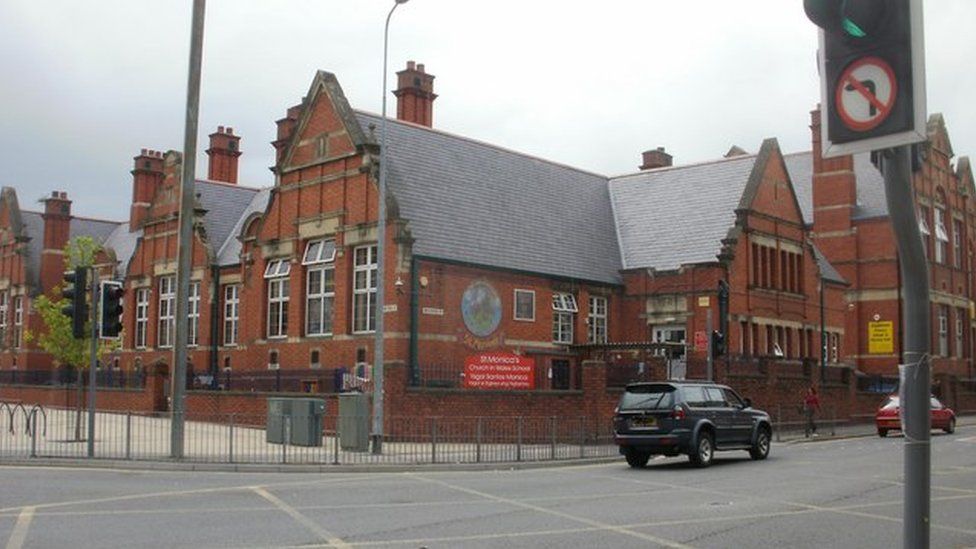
319,251
364,289
563,307
941,236
279,292
167,312
597,328
18,320
957,243
193,318
277,267
959,332
943,330
4,306
141,333
515,305
564,302
324,296
923,227
232,314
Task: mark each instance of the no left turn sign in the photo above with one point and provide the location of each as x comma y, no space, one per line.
866,93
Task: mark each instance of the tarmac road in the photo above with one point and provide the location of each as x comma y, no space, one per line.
825,493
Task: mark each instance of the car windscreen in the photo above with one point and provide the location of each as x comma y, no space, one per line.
647,397
890,403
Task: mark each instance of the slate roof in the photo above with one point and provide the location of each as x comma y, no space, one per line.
225,204
476,203
870,185
34,228
229,252
674,216
123,242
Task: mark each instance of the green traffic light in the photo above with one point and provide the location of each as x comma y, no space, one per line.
851,28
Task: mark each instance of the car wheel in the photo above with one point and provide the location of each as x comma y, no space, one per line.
704,450
951,427
882,433
760,449
636,459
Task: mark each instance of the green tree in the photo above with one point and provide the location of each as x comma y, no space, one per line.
56,338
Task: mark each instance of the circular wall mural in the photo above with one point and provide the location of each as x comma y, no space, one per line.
481,309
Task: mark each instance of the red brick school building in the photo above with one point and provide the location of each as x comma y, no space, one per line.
516,284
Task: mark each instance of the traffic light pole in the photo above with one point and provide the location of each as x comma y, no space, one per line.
93,365
709,350
915,371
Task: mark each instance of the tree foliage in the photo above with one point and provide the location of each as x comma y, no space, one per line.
56,338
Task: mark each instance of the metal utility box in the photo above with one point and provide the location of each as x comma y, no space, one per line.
305,416
306,421
354,422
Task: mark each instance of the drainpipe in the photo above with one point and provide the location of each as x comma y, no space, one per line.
214,325
414,321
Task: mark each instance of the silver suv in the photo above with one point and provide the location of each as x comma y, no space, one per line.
687,417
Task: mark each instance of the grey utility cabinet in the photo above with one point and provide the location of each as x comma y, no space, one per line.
300,419
354,421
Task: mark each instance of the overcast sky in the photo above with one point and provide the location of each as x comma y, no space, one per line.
86,85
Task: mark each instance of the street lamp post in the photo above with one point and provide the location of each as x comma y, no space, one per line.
378,370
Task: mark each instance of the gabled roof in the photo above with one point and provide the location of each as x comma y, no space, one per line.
675,216
471,202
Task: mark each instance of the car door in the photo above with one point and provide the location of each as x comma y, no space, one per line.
722,414
743,420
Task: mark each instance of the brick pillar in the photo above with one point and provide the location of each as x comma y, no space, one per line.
224,151
57,228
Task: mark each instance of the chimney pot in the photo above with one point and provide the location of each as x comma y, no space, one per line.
420,67
54,194
230,130
411,65
220,129
144,151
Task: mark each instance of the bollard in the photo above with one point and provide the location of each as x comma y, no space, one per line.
552,441
518,444
779,422
286,438
230,441
128,435
33,434
582,439
433,440
477,447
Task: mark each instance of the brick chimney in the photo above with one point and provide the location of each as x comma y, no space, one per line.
656,158
286,126
147,178
834,187
415,95
57,230
225,148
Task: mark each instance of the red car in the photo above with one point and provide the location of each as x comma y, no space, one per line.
887,418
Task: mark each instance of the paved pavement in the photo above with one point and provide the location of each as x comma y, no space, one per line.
829,493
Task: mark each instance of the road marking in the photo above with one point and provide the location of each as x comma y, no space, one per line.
600,525
322,533
19,535
197,491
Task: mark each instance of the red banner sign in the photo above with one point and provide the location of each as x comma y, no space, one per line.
499,371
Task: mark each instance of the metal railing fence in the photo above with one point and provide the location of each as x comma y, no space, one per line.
247,439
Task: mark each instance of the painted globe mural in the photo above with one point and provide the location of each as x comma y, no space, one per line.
481,309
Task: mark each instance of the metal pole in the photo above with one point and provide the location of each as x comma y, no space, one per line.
187,195
92,379
708,344
380,262
915,372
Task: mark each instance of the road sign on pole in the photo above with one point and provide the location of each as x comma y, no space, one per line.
872,74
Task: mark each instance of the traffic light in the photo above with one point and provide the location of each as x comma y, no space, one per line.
718,343
110,312
872,75
77,308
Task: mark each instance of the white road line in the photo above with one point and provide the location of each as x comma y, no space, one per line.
322,533
19,535
601,525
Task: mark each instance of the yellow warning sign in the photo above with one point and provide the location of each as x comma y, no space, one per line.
881,338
